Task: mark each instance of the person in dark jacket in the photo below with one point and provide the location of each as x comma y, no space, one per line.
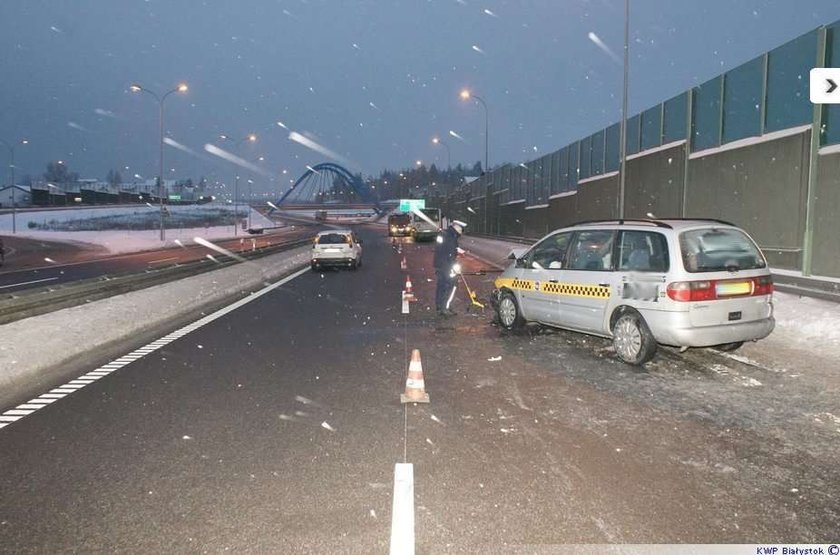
446,251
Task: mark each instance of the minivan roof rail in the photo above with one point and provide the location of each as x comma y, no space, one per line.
657,223
624,221
724,222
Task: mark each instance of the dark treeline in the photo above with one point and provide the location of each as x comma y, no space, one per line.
421,181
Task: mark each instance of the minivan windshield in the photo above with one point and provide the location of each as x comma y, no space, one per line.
717,250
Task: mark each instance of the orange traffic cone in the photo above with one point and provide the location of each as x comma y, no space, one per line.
415,387
408,293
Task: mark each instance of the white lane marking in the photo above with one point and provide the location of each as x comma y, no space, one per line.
25,409
27,282
163,260
402,512
41,401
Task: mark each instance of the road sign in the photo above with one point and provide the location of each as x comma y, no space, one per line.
409,204
174,197
825,85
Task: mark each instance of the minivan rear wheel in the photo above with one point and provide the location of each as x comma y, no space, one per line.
729,347
632,339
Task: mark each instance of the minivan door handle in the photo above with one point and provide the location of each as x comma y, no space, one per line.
553,281
604,284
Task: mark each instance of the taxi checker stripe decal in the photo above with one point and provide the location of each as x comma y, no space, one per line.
567,289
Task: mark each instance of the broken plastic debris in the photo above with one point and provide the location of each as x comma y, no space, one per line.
494,359
304,400
186,437
326,426
436,419
430,442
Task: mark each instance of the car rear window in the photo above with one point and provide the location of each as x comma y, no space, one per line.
717,250
333,239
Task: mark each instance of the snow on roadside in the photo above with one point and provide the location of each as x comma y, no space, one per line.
122,241
813,320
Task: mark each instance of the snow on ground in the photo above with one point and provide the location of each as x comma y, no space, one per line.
813,320
124,241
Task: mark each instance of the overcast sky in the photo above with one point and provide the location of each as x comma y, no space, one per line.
372,81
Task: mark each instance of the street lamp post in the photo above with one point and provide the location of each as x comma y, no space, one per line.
438,141
250,198
466,95
252,138
11,146
623,129
182,88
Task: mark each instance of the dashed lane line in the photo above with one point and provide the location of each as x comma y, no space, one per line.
27,282
25,409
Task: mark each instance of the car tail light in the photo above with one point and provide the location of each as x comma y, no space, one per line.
763,285
691,291
710,290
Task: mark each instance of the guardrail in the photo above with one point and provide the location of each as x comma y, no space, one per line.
45,299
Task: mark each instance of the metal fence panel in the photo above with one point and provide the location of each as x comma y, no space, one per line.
788,68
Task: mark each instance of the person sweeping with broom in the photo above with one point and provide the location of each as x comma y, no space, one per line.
446,274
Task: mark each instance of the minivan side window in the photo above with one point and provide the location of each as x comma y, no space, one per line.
643,251
592,250
550,253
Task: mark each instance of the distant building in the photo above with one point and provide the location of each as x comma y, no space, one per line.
22,196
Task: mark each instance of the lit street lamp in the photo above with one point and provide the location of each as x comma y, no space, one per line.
11,146
181,88
466,94
438,141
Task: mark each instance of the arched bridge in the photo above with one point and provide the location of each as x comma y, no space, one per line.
328,186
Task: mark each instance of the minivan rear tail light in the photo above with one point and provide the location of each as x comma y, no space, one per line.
763,285
692,291
710,290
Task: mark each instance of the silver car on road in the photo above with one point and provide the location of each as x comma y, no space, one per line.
684,283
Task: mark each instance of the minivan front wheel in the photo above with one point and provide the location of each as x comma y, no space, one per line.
632,340
508,311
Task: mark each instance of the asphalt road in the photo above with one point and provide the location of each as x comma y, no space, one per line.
276,427
33,263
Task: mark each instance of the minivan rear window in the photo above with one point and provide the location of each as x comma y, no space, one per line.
718,250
